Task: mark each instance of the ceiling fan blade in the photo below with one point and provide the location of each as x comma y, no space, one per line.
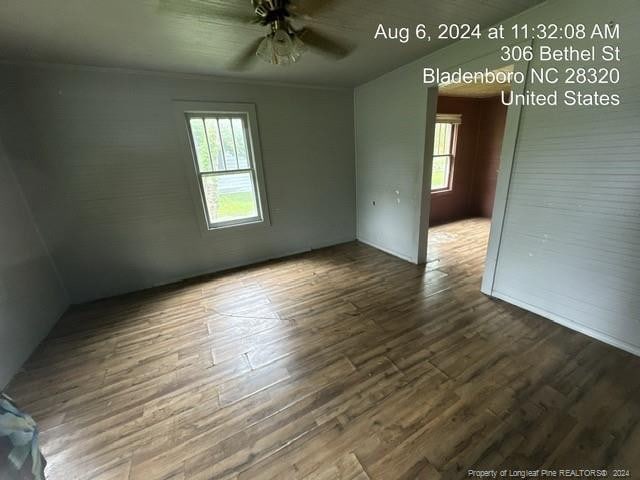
309,8
247,57
205,10
324,44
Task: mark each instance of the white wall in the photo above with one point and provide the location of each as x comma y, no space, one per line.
571,241
31,295
569,248
391,117
108,185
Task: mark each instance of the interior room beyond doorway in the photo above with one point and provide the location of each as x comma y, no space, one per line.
470,126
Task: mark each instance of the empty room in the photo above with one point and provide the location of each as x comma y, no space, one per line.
319,239
469,132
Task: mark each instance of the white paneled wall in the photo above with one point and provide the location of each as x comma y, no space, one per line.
390,144
107,177
32,297
571,238
570,248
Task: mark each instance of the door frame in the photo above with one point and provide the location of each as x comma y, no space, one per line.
507,159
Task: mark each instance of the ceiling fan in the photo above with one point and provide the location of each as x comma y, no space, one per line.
283,44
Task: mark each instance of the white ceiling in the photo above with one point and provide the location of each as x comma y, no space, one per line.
137,34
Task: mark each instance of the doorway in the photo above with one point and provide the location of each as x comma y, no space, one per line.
469,130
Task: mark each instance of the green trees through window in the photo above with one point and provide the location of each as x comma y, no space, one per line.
443,152
225,168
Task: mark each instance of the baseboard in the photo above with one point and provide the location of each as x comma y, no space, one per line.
218,269
386,250
565,322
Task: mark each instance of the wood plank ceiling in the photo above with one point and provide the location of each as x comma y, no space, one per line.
140,35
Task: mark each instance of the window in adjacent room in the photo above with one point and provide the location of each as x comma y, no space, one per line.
226,167
444,152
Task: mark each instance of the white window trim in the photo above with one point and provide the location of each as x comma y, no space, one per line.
455,120
187,109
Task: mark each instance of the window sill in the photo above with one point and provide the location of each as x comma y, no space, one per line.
442,192
237,226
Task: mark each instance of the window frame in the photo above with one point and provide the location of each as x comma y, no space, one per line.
247,113
455,121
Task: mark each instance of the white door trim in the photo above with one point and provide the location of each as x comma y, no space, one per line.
505,171
507,157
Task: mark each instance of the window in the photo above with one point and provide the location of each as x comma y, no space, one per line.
225,164
444,152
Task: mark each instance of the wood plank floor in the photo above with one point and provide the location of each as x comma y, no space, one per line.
344,363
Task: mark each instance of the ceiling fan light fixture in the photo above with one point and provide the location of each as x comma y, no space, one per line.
281,48
298,45
285,41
